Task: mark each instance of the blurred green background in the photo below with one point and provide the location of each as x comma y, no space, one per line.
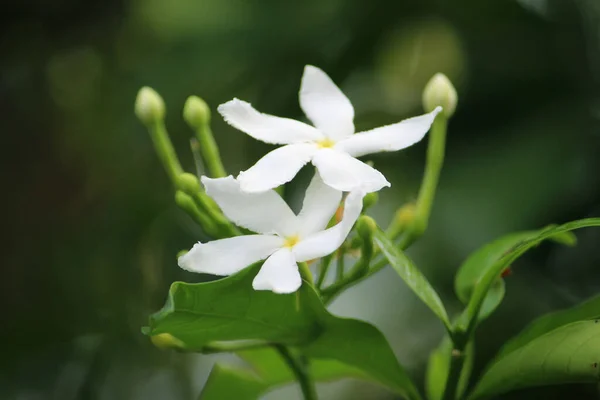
91,229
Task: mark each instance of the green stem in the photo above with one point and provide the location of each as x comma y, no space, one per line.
300,370
305,273
210,151
341,263
164,149
187,204
323,269
457,360
435,160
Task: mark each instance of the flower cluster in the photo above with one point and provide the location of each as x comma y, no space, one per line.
283,238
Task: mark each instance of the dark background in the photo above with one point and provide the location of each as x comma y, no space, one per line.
91,229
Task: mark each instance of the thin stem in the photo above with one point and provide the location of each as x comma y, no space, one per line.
435,160
457,360
164,149
300,370
210,151
305,273
341,264
323,268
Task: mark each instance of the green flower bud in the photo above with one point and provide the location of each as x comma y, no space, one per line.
366,226
166,341
188,183
196,112
369,200
149,106
439,91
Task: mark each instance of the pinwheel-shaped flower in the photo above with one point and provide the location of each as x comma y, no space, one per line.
283,238
330,145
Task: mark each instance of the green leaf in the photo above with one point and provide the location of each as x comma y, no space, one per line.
486,280
589,309
266,371
228,309
479,262
361,345
412,276
568,354
438,369
229,382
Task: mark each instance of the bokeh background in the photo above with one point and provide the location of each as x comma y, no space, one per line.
91,229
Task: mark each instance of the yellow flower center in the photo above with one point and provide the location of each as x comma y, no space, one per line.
325,143
291,241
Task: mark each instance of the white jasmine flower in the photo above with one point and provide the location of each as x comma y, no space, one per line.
330,145
283,238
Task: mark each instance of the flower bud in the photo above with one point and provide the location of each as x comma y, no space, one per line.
366,226
196,112
166,341
149,106
406,214
188,183
439,91
369,200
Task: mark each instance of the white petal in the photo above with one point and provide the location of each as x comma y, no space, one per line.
228,256
320,203
264,127
325,104
279,273
389,138
343,172
277,167
264,212
326,242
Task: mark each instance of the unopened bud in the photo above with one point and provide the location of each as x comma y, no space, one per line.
166,341
196,112
369,200
406,214
188,183
439,91
149,106
366,226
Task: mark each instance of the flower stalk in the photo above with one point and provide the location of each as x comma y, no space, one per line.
197,114
299,366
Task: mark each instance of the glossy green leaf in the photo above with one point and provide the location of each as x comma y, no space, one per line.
266,371
230,382
228,309
491,274
361,345
438,368
587,310
568,354
479,262
412,276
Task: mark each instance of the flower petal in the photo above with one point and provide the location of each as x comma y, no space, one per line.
389,138
343,172
320,203
276,168
264,212
325,104
326,242
228,256
279,273
267,128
